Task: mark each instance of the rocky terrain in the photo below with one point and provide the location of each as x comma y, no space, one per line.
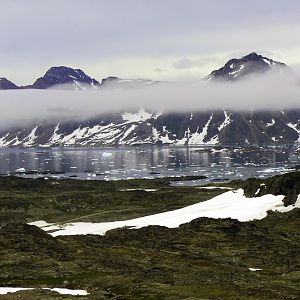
203,259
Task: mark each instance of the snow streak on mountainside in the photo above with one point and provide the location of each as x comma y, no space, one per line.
142,127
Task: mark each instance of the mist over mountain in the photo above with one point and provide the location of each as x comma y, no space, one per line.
67,78
249,100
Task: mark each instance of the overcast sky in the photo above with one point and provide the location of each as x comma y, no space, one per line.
157,39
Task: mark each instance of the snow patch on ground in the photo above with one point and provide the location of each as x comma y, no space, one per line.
62,291
145,190
231,204
255,269
6,290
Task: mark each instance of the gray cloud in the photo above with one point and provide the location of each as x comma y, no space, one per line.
186,63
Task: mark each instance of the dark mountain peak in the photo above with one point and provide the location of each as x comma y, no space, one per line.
69,77
5,84
250,64
62,71
109,80
252,56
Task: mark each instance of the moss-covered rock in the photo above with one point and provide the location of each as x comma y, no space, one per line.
286,184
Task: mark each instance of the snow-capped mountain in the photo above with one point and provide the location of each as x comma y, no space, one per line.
251,64
5,84
75,79
64,77
142,127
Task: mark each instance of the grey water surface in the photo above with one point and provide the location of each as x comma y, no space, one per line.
217,163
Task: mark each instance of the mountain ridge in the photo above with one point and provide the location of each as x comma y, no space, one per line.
142,127
72,79
238,68
63,77
6,84
67,78
138,126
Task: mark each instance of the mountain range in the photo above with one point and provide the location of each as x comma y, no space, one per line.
144,127
75,79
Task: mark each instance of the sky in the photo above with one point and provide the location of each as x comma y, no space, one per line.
153,39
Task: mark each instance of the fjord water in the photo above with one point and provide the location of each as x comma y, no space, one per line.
216,163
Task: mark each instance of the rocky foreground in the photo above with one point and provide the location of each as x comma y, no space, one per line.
203,259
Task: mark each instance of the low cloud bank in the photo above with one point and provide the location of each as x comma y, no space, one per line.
272,92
